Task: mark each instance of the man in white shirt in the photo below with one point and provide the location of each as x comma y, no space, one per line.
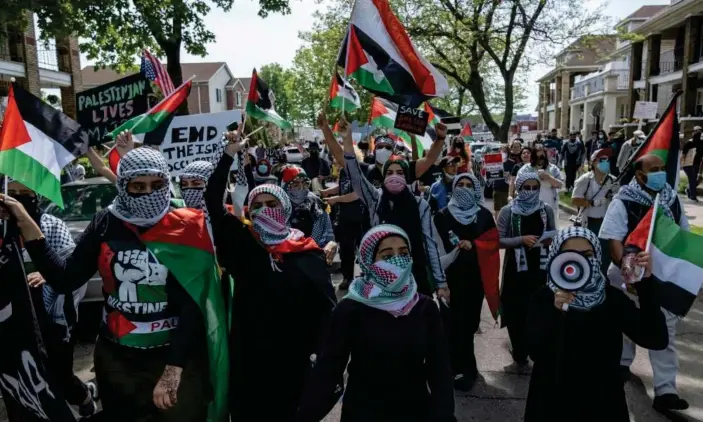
627,209
592,193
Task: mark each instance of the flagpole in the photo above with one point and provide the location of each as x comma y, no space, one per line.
4,191
651,224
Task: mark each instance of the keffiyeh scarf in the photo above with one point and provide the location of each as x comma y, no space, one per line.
194,197
635,193
388,284
142,210
593,293
526,202
465,202
271,225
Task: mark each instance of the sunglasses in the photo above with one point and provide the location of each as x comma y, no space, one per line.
603,159
530,188
388,147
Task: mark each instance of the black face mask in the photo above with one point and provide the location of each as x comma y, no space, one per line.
314,153
30,203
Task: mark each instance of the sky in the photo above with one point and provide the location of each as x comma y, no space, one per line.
244,40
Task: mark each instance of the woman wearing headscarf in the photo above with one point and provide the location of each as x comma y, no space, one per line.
575,338
520,225
549,175
309,214
151,356
282,300
467,232
193,181
394,203
399,369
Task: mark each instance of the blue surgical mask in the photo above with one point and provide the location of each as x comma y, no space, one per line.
604,167
263,169
656,180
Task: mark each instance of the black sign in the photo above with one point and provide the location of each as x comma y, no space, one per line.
103,108
24,380
411,120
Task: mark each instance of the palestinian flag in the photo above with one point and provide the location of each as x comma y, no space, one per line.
378,53
159,116
36,142
181,242
677,261
342,94
259,104
663,141
488,252
432,117
467,134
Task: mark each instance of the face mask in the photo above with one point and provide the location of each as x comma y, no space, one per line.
528,196
270,224
382,155
601,137
448,176
262,169
656,180
314,153
395,183
29,202
148,205
193,197
604,167
298,196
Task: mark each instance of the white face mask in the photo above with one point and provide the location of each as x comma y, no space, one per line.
382,155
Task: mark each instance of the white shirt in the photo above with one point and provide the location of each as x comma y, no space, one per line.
615,221
586,187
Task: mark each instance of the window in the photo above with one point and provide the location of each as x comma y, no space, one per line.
218,95
238,98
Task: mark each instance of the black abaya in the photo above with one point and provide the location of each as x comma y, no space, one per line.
461,319
577,354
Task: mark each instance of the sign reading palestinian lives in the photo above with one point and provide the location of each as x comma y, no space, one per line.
411,120
493,164
103,108
196,137
25,383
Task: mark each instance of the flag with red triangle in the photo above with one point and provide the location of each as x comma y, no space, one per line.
378,53
467,133
36,142
663,141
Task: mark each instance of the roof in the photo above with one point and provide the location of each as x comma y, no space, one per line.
202,71
648,11
246,82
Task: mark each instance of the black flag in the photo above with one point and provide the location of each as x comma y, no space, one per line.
24,380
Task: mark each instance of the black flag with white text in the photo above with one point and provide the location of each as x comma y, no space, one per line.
24,380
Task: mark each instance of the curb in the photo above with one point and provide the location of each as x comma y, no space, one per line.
568,208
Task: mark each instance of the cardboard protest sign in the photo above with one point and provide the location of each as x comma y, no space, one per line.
493,164
103,108
411,120
195,137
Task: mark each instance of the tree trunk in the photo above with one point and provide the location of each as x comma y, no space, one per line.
460,106
504,131
172,49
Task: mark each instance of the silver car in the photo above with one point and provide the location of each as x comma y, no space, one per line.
82,200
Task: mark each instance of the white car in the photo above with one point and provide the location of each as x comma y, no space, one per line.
293,154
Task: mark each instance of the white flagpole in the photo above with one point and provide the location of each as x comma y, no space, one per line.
651,224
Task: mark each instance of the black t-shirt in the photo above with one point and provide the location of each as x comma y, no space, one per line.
316,166
432,175
516,168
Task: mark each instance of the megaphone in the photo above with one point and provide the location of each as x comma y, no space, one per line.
570,270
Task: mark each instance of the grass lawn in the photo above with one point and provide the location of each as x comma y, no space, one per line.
697,230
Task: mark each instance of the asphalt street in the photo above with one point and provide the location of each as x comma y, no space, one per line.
500,392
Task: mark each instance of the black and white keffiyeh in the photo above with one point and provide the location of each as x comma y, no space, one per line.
141,209
465,202
198,170
593,293
635,193
526,202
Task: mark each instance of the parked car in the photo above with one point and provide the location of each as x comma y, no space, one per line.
293,154
82,200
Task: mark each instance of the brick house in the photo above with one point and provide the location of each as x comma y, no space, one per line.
36,65
211,90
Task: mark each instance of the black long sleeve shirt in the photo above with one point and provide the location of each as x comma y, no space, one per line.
100,244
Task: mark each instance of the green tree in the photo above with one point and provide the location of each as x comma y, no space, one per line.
278,80
117,30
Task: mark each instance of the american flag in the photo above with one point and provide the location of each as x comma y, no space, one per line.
156,72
